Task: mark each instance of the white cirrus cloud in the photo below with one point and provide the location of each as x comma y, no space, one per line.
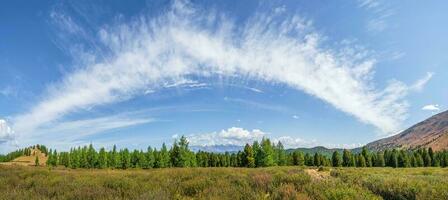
420,84
431,107
149,53
380,13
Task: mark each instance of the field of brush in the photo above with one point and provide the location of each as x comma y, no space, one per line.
18,182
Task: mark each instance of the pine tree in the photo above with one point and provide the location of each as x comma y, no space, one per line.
142,160
49,158
258,154
379,161
91,157
365,153
249,159
361,161
336,159
346,158
267,153
403,160
427,160
150,159
125,159
135,159
281,154
102,159
316,160
418,160
164,157
431,155
36,161
393,159
298,158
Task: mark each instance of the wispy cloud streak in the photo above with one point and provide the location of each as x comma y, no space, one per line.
148,53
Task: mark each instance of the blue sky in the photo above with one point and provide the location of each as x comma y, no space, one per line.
307,73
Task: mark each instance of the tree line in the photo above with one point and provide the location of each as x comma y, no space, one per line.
262,153
259,154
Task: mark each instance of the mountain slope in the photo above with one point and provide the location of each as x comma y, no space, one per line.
432,132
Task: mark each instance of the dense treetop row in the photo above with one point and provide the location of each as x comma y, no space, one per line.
259,154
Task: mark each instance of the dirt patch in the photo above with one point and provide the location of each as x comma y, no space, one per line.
318,175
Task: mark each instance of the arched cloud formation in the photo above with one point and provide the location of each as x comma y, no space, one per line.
147,53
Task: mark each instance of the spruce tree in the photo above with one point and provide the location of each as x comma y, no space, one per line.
125,159
365,153
393,159
150,159
418,160
361,161
267,153
91,157
346,158
249,159
379,161
164,160
281,154
36,161
336,159
102,159
258,154
298,158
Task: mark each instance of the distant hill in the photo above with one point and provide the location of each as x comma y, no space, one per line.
433,132
29,160
218,148
319,149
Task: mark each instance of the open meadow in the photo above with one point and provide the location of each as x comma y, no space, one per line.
18,182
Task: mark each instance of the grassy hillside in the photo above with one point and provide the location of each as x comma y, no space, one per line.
223,183
28,160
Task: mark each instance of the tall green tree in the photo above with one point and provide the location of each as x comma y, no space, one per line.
102,159
125,159
150,158
361,161
281,154
249,157
163,157
336,159
298,158
267,153
346,158
379,161
36,161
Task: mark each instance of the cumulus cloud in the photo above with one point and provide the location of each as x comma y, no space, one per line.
231,136
240,136
236,136
6,133
148,53
431,107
